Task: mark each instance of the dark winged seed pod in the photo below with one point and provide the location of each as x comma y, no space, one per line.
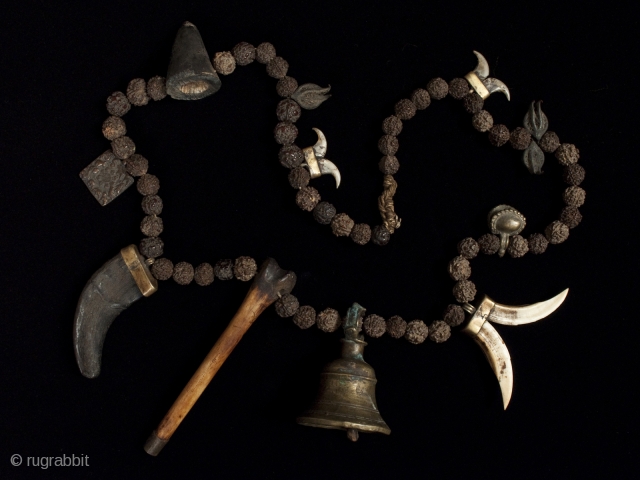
533,158
310,95
536,121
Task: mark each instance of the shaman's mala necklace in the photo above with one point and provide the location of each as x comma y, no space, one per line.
193,76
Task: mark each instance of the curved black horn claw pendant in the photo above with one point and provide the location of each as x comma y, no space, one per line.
116,285
481,84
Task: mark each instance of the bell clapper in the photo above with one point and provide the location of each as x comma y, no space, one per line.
352,434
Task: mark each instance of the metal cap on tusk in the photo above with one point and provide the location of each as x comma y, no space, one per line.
191,75
506,222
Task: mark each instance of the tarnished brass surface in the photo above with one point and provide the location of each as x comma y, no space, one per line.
477,85
505,221
346,399
136,264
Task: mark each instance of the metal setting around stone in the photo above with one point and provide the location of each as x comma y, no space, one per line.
505,221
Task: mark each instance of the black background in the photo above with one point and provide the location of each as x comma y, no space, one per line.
574,409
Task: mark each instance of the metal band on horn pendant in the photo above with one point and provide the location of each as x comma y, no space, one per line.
111,290
479,328
316,163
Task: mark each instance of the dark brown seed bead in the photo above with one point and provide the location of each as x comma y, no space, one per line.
203,274
571,216
389,165
482,121
468,248
439,331
285,133
416,332
328,320
157,88
392,125
549,142
137,92
136,165
489,244
290,156
574,196
148,184
123,147
518,246
421,98
453,315
437,88
113,127
151,226
277,68
361,233
520,138
224,63
458,88
183,273
299,177
573,174
287,305
152,205
396,327
117,104
162,269
223,269
405,109
245,268
286,86
538,243
244,53
341,225
499,135
556,232
152,247
307,198
305,317
324,213
288,111
380,235
567,154
459,268
374,326
473,102
464,291
388,145
265,52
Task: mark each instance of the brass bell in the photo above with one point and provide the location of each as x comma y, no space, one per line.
347,398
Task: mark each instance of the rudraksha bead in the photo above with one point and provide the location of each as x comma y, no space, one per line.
290,156
324,213
472,102
538,243
421,98
380,235
152,247
556,232
117,104
468,248
265,52
459,268
374,326
123,147
489,244
520,138
437,88
482,121
136,165
499,135
113,127
361,233
453,315
458,88
277,67
392,125
388,145
152,205
549,142
567,154
288,111
157,88
299,177
416,332
396,327
305,317
439,331
137,92
224,63
223,269
285,133
570,216
286,86
203,274
151,226
405,109
341,225
287,305
389,165
162,269
307,198
328,320
183,273
244,53
464,291
518,246
148,184
574,196
245,268
573,174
